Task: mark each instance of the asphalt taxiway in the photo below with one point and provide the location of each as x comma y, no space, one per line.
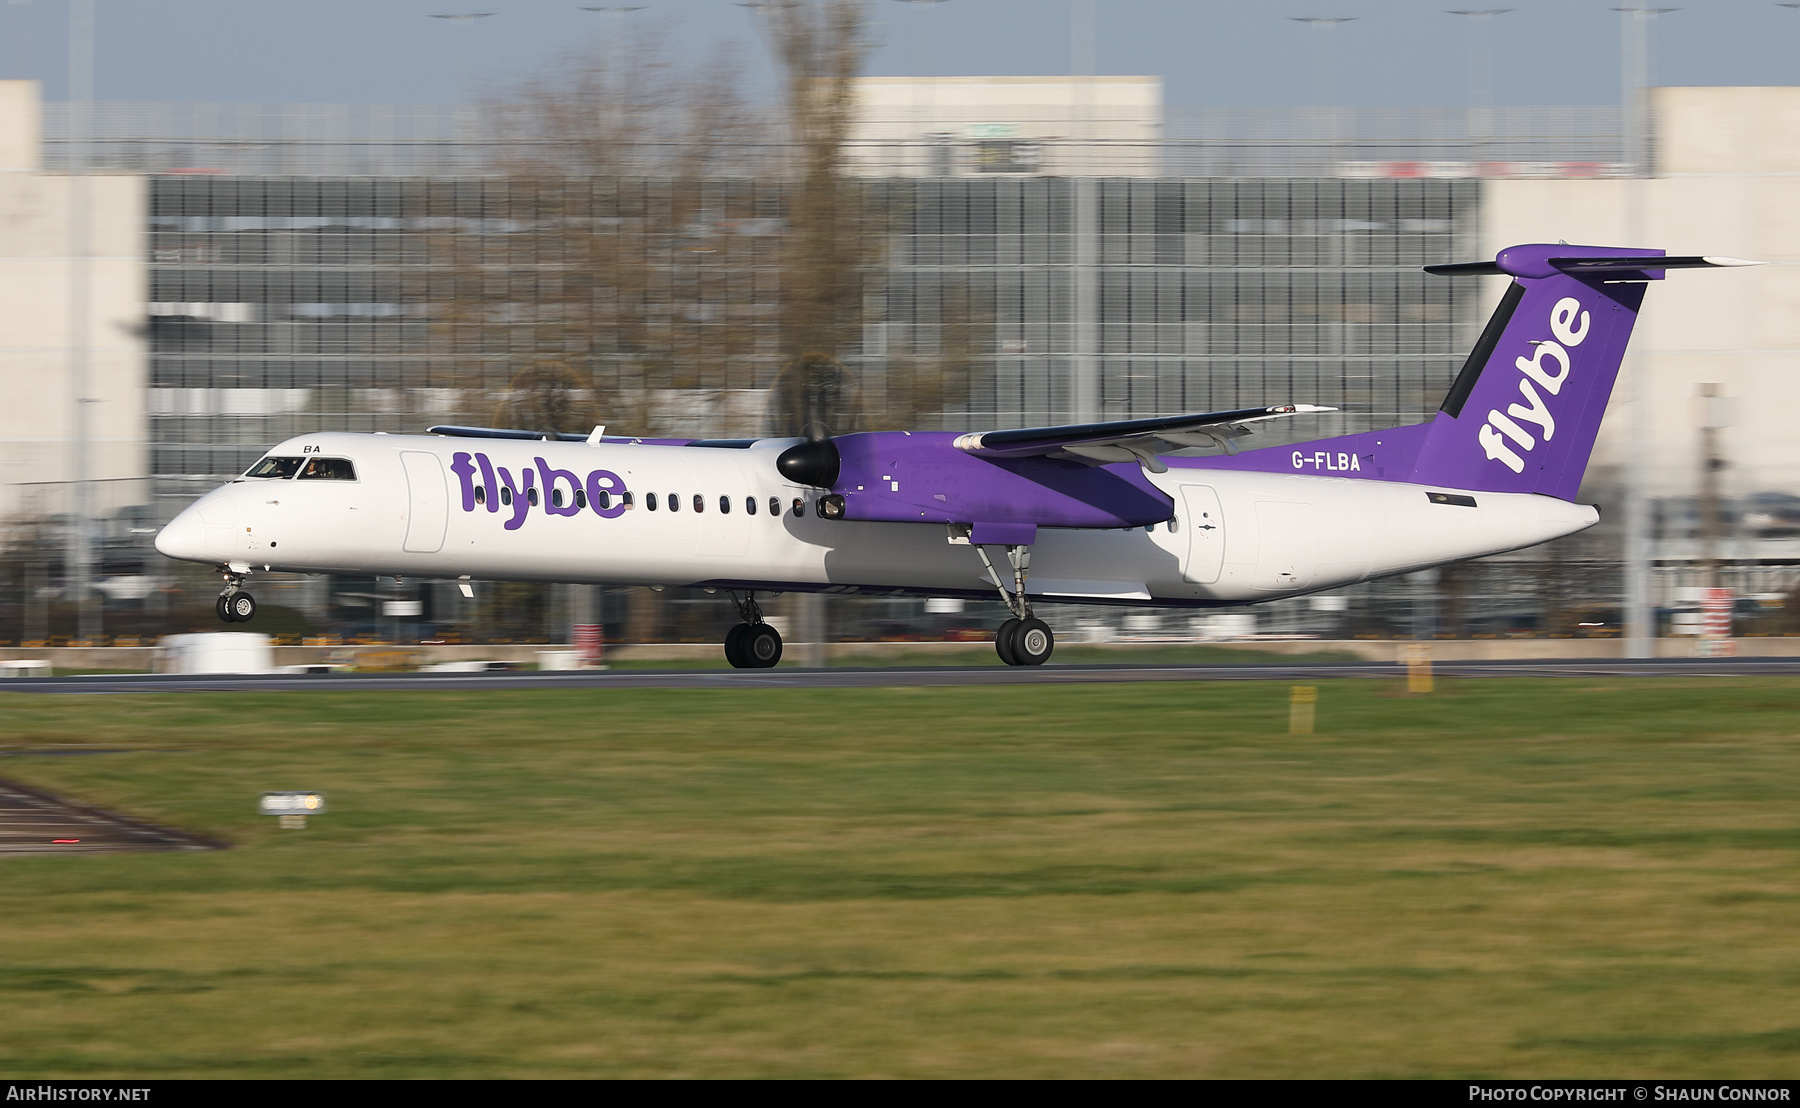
906,677
33,822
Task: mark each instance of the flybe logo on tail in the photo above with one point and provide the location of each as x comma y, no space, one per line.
1548,368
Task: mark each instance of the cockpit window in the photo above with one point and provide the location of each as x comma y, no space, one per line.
327,469
279,468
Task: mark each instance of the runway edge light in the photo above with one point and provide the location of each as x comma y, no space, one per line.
292,807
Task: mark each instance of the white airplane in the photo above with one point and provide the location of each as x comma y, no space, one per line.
1106,513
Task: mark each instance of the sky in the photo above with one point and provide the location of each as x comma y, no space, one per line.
1394,52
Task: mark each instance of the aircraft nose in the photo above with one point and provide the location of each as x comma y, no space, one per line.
184,537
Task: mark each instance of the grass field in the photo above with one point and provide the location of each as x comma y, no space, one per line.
1507,877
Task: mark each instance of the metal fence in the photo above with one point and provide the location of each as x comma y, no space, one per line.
438,140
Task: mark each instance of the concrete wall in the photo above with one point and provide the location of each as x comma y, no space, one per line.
37,418
1728,182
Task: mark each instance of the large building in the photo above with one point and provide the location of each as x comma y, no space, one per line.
72,336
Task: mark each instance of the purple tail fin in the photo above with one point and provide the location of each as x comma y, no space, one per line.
1523,413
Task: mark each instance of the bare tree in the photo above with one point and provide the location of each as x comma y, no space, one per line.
833,235
608,265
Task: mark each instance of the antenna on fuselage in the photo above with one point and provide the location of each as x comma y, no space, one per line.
593,438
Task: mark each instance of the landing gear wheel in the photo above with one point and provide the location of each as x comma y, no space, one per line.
1003,641
762,646
734,647
224,612
241,607
1032,642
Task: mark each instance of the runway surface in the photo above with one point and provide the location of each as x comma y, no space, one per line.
33,822
910,677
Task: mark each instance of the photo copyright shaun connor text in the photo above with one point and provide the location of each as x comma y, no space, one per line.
1650,1093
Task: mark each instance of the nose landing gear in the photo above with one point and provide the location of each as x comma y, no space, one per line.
234,605
752,644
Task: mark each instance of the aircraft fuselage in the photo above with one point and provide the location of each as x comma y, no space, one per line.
490,509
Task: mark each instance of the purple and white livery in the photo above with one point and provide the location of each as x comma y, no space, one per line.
1105,513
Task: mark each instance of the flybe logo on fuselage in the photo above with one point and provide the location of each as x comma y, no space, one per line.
486,485
1548,366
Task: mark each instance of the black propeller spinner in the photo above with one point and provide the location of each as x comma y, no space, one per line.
814,462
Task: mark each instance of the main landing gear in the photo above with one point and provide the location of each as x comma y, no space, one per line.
752,644
1023,640
234,605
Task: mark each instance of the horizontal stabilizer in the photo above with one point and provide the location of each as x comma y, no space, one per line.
1642,262
1535,265
1126,439
1466,269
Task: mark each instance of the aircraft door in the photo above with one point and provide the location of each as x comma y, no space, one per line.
1205,525
429,513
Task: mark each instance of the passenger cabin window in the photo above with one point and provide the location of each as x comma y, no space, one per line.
581,498
624,498
750,505
774,505
674,503
505,495
605,500
650,501
724,505
799,506
327,469
531,494
480,494
279,469
699,503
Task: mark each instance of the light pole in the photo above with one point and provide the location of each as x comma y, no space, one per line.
617,13
584,600
1324,32
924,62
1481,78
1784,5
465,48
1083,35
81,107
1634,79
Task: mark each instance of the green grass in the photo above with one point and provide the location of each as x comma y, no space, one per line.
1508,877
